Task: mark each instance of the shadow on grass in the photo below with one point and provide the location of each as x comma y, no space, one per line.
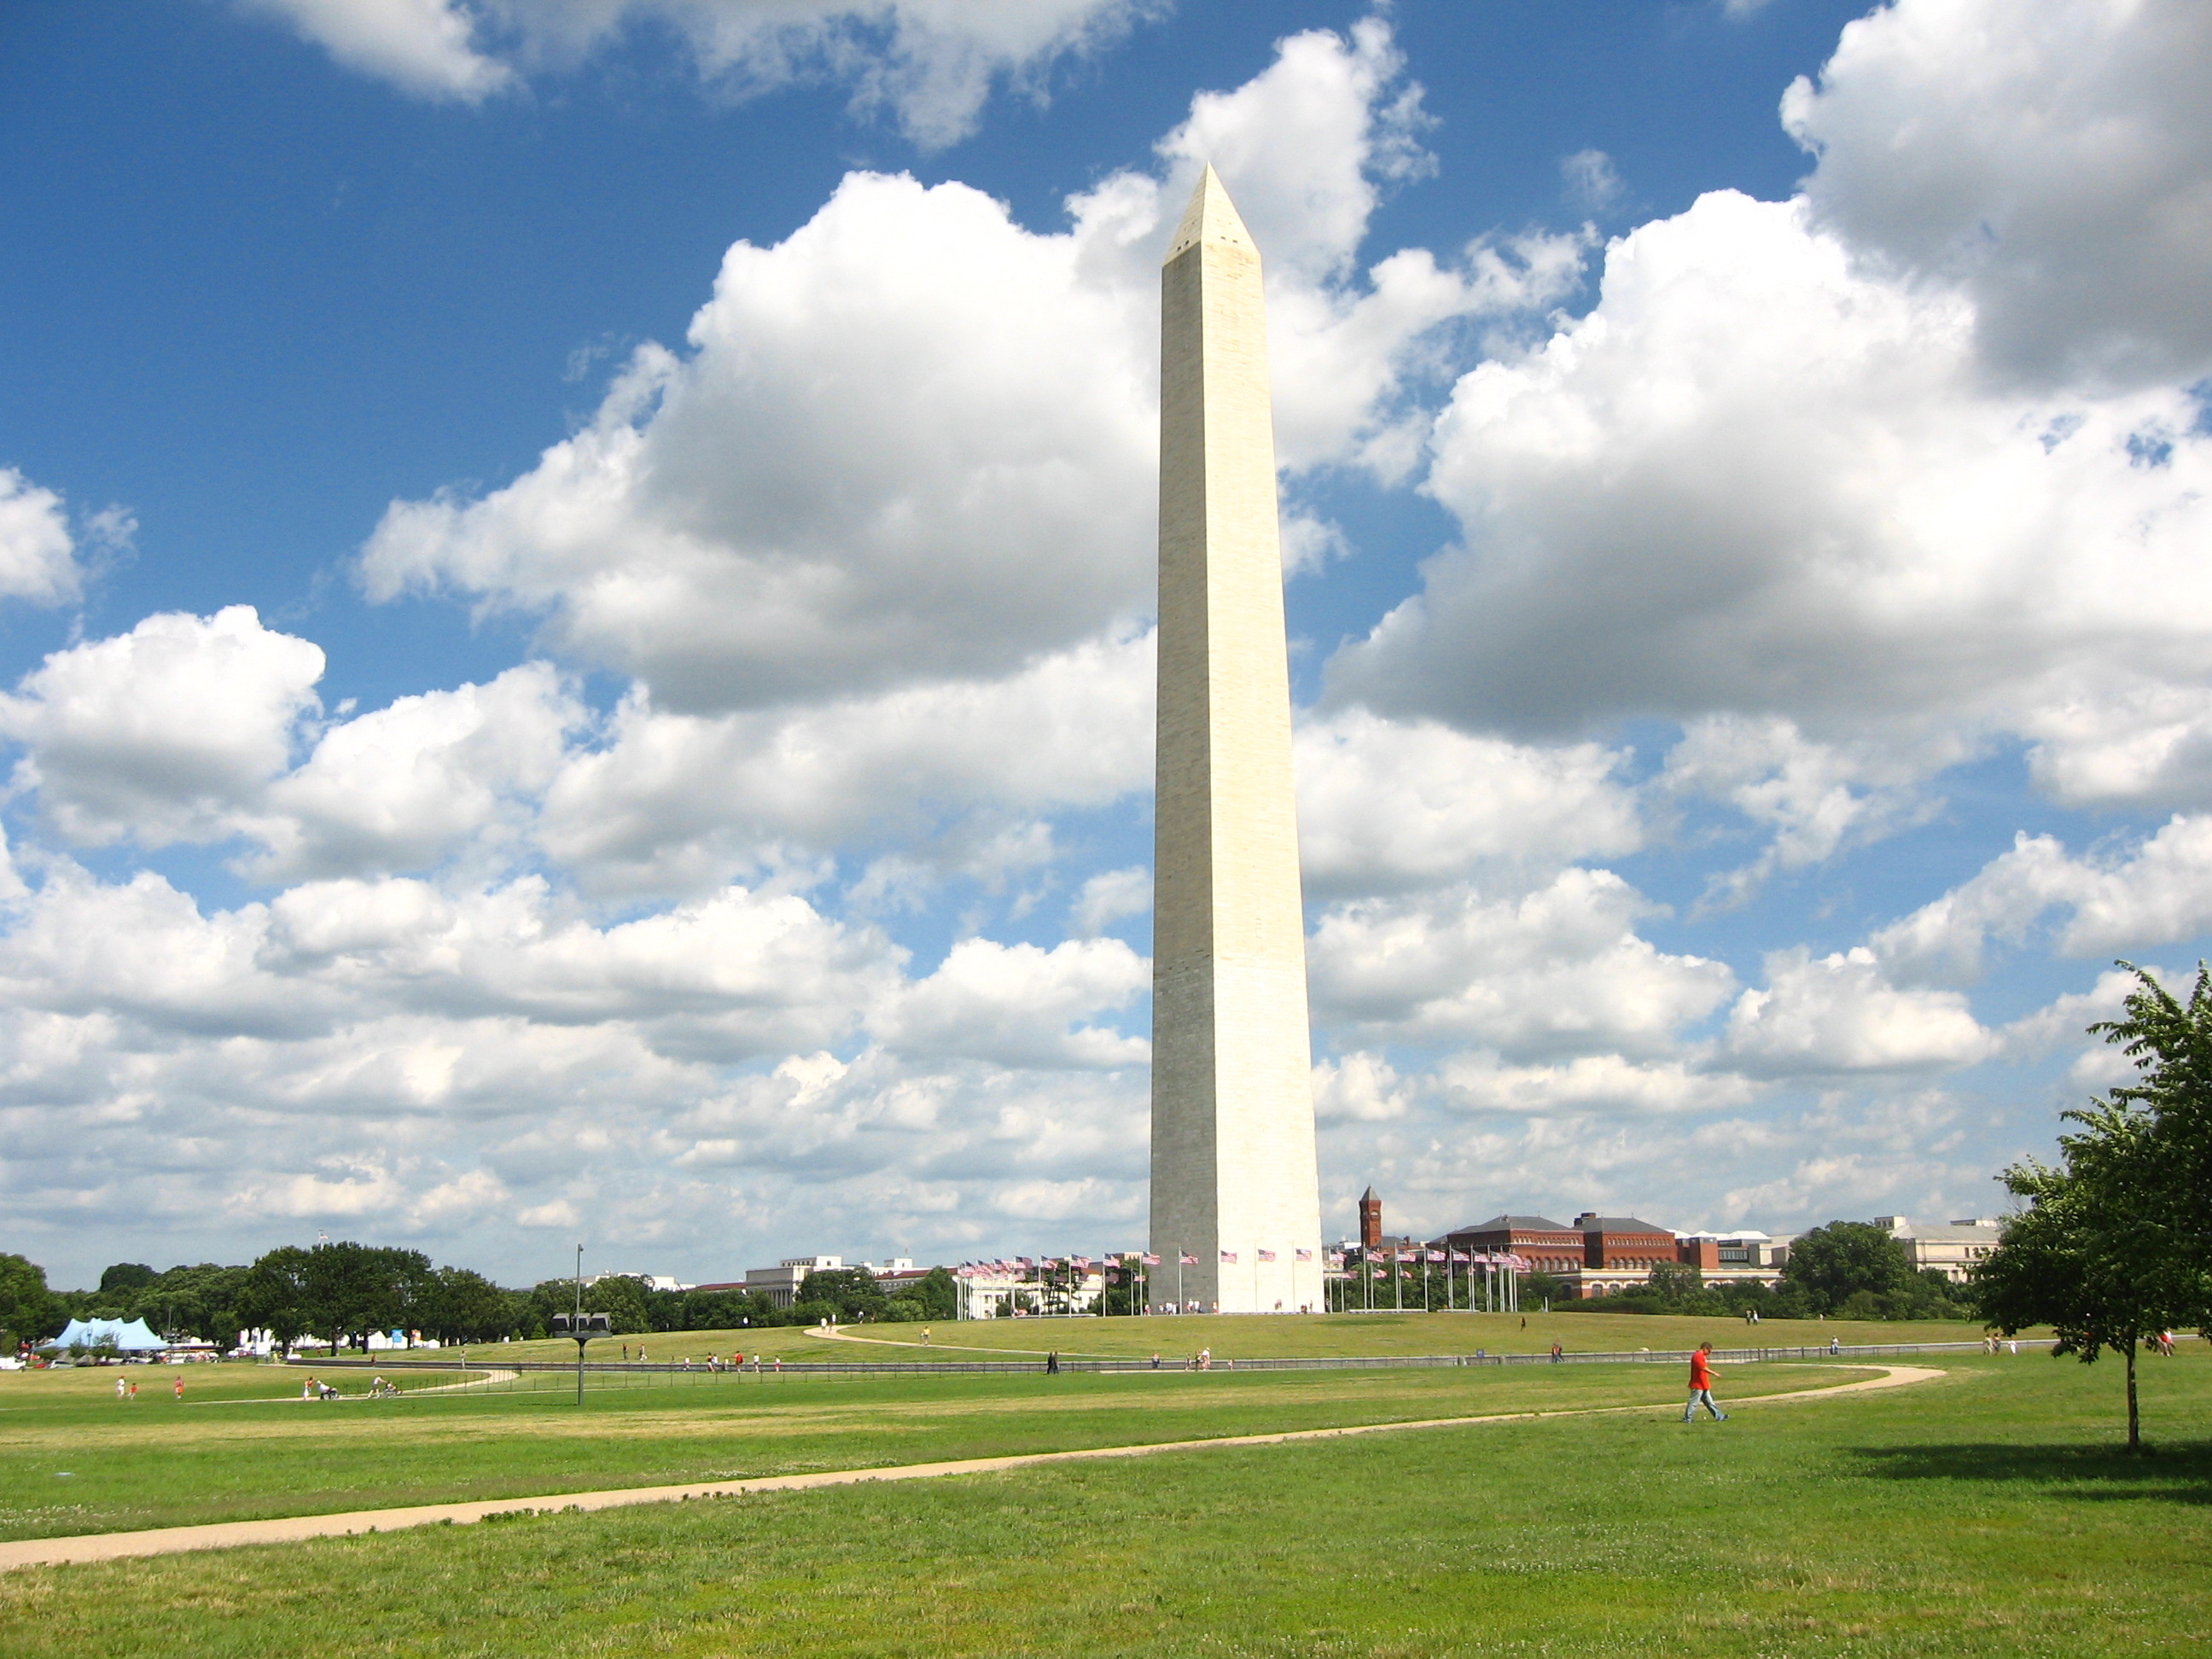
2177,1471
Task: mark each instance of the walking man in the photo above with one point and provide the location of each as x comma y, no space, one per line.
1701,1386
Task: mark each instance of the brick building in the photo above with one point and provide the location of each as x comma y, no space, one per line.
1551,1246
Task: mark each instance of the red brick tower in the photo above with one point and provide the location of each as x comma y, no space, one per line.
1370,1220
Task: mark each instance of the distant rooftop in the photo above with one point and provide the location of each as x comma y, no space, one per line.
1526,1223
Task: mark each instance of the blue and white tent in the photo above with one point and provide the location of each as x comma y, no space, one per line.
124,1335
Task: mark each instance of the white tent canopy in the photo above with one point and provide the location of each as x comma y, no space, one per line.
124,1335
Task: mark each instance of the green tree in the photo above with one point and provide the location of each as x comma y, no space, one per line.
206,1301
623,1300
936,1297
1678,1287
276,1295
2172,1047
126,1276
462,1306
852,1292
348,1290
29,1312
2075,1259
1832,1264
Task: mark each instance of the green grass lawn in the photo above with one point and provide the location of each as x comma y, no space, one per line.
1289,1335
1260,1335
73,1459
1988,1513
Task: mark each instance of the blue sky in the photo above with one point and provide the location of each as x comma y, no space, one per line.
575,582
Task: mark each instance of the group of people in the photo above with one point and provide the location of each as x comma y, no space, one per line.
126,1387
715,1361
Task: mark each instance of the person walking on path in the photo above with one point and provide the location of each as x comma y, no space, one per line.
1052,1363
1701,1386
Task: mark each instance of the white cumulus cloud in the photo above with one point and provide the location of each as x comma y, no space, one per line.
38,555
930,64
164,733
2053,159
1560,970
1840,1013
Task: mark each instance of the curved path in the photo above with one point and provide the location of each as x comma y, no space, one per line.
174,1541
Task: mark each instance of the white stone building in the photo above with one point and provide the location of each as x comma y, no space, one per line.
1952,1250
780,1283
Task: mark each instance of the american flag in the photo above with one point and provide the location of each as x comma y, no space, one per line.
1336,1258
1460,1256
1189,1260
1267,1256
1149,1260
1024,1261
1229,1258
1379,1273
1305,1255
1083,1261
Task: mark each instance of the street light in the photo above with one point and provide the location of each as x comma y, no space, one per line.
580,1327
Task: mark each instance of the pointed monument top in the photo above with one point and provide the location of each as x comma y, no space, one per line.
1211,217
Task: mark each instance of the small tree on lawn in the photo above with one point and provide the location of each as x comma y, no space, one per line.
2172,1047
2081,1257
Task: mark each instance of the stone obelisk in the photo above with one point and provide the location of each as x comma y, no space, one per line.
1233,1169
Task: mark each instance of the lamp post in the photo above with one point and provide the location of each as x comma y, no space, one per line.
581,1327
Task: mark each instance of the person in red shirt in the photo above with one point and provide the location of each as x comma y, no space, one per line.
1701,1386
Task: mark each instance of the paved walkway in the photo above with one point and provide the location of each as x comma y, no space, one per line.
174,1541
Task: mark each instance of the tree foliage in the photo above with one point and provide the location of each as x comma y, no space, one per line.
1833,1264
2172,1047
342,1291
853,1292
29,1312
2115,1244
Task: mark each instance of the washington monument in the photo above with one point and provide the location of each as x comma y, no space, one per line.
1233,1171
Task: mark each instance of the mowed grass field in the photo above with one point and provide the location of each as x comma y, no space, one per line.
1991,1513
1266,1335
73,1459
1291,1335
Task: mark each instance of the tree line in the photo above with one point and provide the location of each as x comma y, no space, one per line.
341,1292
1845,1270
